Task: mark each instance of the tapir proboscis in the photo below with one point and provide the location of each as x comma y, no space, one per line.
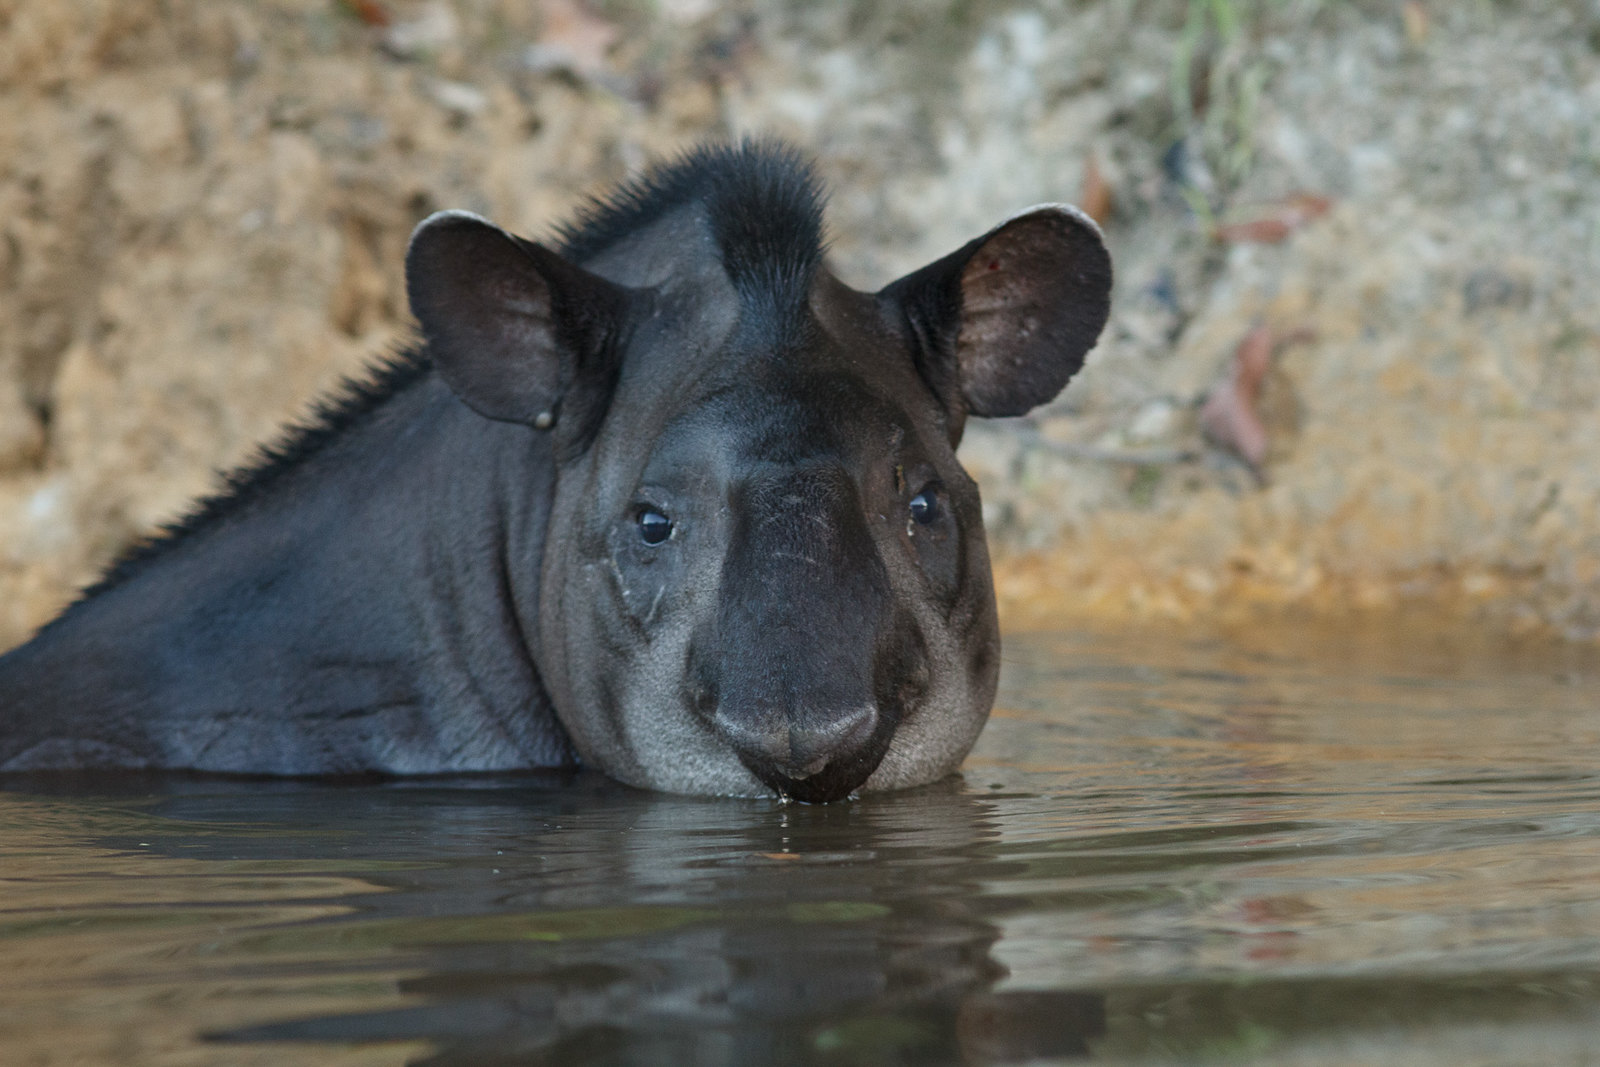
663,498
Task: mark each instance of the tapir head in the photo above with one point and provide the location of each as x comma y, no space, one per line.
764,569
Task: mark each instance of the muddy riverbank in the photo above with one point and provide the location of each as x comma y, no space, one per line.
203,209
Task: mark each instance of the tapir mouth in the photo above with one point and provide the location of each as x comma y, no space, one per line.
833,780
814,765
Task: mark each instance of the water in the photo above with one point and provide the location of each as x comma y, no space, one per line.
1304,849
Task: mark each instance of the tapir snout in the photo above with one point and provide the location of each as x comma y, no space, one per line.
804,636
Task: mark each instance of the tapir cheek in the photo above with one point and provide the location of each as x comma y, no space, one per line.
935,737
902,673
947,705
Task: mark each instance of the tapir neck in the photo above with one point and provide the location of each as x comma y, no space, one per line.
371,612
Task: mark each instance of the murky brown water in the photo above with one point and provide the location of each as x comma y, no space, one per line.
1163,850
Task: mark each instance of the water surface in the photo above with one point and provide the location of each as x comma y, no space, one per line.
1296,849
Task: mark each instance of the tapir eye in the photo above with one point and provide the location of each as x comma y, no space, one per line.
925,506
654,527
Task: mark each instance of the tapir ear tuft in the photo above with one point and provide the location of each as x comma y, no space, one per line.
1006,321
511,326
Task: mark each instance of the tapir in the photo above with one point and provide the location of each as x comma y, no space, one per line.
661,497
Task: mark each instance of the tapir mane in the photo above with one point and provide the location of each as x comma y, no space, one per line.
763,204
350,404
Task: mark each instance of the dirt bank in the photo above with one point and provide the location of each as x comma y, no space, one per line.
203,207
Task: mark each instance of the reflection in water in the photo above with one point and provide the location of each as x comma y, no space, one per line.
1182,851
625,927
584,922
589,923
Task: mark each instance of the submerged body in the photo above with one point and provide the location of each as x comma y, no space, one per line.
673,502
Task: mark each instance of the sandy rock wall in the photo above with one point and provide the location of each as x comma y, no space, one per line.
1435,416
204,204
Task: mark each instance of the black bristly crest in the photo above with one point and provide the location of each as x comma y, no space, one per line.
764,204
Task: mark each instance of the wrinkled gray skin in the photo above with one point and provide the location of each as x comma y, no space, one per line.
454,574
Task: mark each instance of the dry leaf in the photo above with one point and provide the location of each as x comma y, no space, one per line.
1279,221
371,12
1257,231
1096,197
1229,418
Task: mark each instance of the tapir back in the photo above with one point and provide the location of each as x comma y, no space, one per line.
348,616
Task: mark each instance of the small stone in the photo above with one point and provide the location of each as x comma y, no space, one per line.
431,31
460,98
1153,421
687,10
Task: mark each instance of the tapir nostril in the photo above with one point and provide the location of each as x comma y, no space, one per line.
798,749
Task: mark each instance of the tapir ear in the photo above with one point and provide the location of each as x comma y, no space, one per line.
511,326
1003,323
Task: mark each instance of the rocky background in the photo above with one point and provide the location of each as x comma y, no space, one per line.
1354,361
